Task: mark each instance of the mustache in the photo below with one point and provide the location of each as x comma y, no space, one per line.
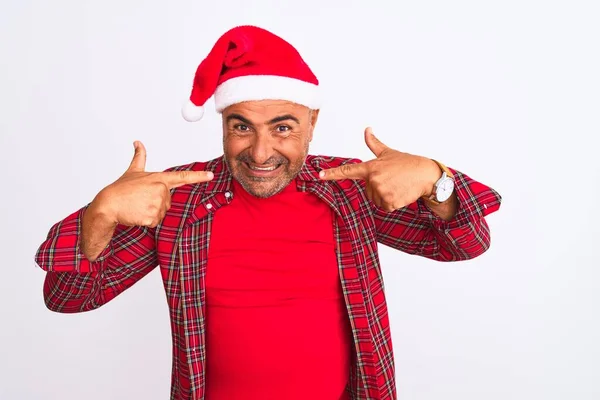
273,160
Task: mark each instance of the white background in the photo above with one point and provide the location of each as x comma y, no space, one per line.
507,92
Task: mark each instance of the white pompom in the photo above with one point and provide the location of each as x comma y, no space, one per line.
192,112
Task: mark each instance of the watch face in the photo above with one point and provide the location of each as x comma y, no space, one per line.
444,190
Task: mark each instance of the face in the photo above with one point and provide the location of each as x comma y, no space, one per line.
266,142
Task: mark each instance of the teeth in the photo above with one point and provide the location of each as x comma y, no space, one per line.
263,169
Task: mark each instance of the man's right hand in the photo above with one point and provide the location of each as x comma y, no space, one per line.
137,198
140,198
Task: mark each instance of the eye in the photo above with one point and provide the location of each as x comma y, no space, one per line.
241,128
283,128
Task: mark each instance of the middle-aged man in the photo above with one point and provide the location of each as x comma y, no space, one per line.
268,255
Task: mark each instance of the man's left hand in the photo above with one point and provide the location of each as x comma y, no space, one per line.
393,179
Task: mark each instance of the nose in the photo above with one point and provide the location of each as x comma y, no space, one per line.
262,148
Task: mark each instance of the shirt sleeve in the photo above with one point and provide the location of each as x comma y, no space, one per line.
415,229
75,284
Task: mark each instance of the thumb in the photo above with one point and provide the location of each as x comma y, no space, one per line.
375,145
138,164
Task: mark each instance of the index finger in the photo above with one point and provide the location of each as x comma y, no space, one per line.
174,179
346,171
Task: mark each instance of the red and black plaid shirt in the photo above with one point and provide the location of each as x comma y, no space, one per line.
179,245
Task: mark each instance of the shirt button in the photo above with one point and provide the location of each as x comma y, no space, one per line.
208,206
228,194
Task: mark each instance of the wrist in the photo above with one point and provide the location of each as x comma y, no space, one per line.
97,229
100,210
433,173
443,188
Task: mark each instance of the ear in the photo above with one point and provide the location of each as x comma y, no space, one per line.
314,116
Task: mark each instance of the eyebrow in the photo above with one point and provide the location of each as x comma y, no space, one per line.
239,117
283,118
270,122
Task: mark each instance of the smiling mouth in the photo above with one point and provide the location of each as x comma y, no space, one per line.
264,168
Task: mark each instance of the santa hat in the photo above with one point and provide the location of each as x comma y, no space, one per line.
250,63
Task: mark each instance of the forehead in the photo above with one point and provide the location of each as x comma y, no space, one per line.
264,110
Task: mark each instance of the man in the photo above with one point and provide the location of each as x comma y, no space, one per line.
268,255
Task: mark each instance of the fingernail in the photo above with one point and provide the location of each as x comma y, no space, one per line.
322,174
210,175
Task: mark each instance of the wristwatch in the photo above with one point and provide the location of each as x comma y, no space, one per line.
444,187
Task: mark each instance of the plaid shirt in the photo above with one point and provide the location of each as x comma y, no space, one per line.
179,245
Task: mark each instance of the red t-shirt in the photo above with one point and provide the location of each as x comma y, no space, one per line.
277,325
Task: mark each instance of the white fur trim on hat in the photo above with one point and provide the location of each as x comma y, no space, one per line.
266,87
192,112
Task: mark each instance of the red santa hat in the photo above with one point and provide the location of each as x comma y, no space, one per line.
250,63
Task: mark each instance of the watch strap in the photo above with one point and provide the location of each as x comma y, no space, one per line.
444,168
